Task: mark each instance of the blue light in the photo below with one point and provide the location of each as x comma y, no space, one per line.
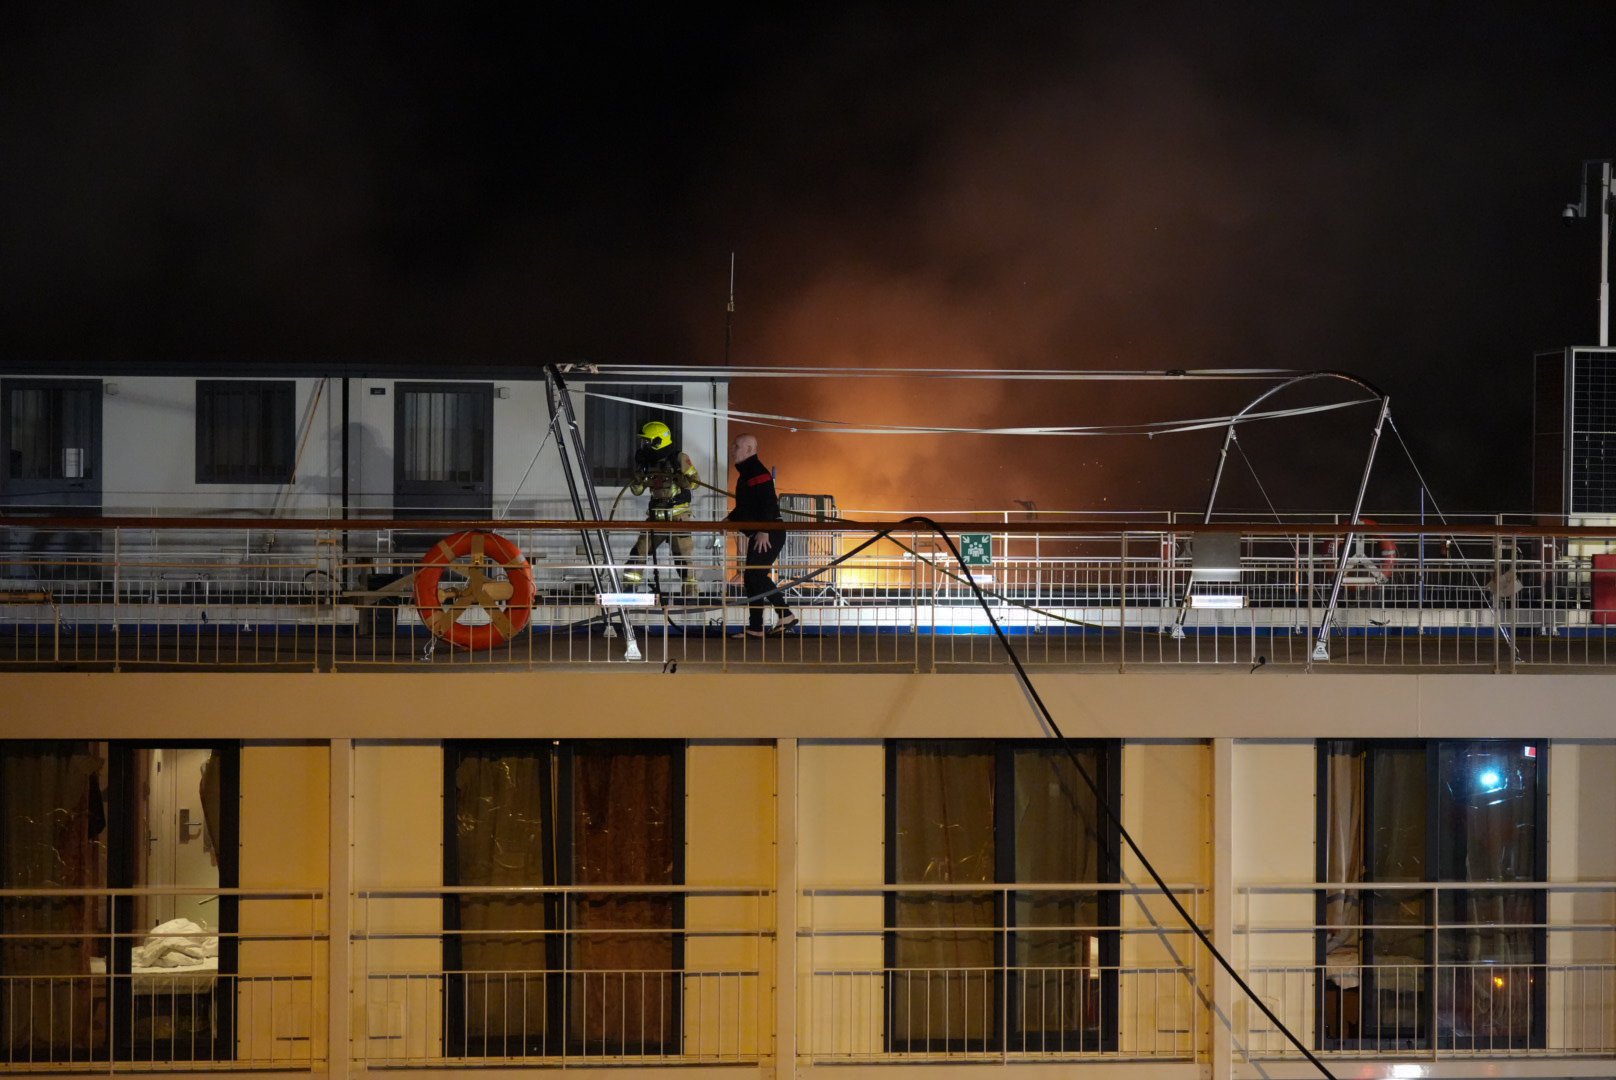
1489,779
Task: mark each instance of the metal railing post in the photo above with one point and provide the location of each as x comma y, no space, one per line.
1434,952
1498,599
117,585
339,1036
1312,584
1004,974
1122,604
112,984
914,604
1514,608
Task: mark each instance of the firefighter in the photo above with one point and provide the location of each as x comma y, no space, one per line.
667,472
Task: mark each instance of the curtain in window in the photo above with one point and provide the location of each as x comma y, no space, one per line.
52,836
443,436
1056,956
941,992
501,818
37,436
624,991
1397,854
618,949
245,431
1343,838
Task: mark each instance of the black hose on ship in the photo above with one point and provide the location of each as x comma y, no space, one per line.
1077,763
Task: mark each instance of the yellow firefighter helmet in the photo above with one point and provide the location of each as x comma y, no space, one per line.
657,435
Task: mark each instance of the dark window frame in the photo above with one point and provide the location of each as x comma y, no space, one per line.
1537,1025
610,427
558,959
1108,778
121,838
121,873
274,459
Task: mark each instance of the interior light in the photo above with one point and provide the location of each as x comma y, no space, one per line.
1498,982
1489,778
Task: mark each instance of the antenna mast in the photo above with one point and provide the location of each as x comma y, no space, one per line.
729,311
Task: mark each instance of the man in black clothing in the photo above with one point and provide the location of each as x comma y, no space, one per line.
756,501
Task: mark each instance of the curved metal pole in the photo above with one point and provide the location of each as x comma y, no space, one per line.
601,566
1223,457
1321,644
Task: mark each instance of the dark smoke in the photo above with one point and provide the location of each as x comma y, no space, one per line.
1115,186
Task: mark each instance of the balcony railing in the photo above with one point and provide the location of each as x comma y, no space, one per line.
1442,970
217,593
81,989
577,976
649,975
1056,987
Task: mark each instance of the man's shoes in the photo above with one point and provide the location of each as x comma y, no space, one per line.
633,577
786,624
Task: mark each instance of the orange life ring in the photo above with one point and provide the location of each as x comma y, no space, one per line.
509,602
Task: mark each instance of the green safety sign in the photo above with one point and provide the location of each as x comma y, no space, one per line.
977,549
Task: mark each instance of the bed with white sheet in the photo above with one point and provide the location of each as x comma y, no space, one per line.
178,958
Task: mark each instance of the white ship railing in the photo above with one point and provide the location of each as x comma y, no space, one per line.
221,593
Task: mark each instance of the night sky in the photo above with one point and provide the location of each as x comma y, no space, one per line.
1373,187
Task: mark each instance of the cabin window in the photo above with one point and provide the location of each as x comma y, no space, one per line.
245,431
444,434
1409,814
1017,969
541,974
610,427
142,976
52,430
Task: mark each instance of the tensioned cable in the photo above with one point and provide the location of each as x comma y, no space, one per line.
1234,437
1113,817
1493,593
982,374
548,431
1252,469
1416,467
1150,429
